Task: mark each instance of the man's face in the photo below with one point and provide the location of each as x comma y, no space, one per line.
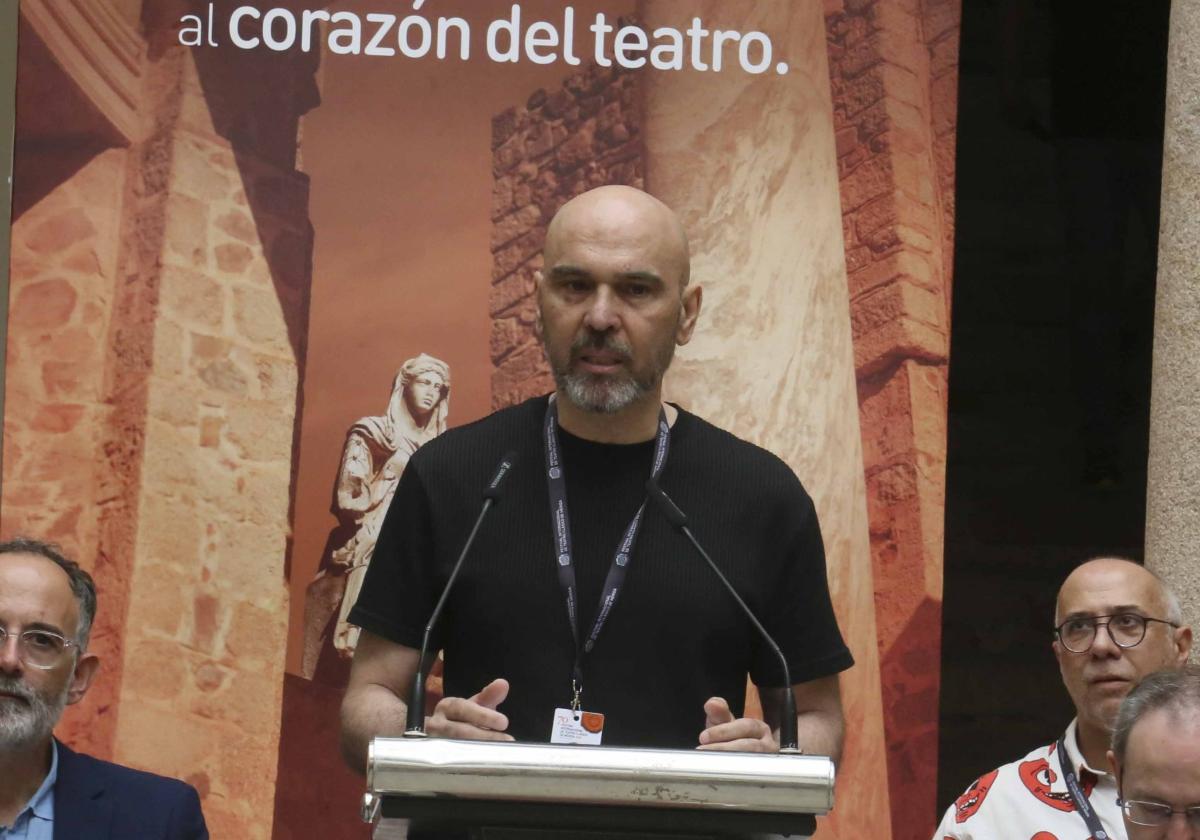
423,393
1099,678
35,594
611,304
1162,765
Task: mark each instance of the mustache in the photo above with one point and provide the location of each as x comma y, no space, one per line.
593,340
14,686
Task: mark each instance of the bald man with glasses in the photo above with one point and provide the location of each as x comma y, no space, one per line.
1115,623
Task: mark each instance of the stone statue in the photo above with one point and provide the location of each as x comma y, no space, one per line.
376,451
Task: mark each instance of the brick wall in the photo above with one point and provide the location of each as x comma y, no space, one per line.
893,70
560,144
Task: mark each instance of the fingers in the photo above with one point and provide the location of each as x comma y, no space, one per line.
744,735
492,694
716,711
473,719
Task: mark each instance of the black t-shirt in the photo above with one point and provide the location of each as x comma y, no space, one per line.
673,639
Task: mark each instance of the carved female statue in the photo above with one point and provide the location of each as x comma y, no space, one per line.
377,450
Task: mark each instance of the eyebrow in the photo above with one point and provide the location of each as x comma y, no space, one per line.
1117,610
566,272
41,625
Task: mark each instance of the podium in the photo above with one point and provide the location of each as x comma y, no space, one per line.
433,788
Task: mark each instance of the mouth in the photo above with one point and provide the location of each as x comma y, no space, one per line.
1105,682
600,361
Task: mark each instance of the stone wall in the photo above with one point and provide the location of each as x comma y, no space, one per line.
560,144
161,295
893,70
63,274
1173,492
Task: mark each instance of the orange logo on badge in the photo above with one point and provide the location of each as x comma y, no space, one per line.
592,721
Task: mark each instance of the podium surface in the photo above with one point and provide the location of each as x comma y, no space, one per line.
439,787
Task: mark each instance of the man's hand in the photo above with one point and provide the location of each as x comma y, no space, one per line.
724,732
474,718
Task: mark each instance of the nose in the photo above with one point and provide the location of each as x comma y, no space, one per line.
602,314
10,655
1180,828
1103,645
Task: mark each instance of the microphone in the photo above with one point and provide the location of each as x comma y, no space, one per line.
679,521
415,725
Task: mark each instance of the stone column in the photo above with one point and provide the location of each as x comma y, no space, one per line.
160,300
1173,485
894,69
773,359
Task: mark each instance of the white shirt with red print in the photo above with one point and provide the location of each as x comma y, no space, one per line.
1028,800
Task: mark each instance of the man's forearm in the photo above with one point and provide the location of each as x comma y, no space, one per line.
368,712
820,733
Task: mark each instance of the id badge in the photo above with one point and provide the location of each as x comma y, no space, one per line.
587,729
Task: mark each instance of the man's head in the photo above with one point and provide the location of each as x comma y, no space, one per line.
1156,755
613,297
47,604
1103,607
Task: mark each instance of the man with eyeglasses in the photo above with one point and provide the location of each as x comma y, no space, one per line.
47,791
1115,622
1156,756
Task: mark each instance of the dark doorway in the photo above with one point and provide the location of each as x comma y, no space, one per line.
1059,160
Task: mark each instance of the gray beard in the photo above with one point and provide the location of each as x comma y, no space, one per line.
27,725
600,396
604,395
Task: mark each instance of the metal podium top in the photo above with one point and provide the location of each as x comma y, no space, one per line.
448,769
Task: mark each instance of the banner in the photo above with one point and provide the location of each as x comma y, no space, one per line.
262,253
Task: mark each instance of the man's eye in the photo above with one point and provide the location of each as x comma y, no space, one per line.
1078,625
1127,621
637,290
47,641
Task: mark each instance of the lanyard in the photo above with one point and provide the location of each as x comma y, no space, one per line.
560,523
1077,796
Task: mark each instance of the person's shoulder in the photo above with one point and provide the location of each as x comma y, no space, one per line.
121,780
491,435
999,789
728,452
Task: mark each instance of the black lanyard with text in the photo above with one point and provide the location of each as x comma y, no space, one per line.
1082,805
561,525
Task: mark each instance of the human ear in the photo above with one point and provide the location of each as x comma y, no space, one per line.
691,300
1183,644
81,679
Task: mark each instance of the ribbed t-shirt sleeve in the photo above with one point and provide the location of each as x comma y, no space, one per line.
799,610
400,589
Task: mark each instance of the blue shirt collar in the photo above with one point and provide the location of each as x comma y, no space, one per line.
41,806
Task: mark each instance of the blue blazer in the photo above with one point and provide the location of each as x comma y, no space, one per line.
98,800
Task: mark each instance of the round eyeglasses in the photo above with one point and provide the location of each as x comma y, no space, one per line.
1156,813
1125,629
42,649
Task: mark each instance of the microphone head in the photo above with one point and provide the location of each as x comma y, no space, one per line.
492,491
674,515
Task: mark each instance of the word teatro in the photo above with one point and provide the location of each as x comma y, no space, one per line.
507,39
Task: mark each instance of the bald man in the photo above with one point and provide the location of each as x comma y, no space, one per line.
598,624
1115,622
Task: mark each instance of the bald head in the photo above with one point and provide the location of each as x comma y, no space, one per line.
618,213
1118,623
1117,576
